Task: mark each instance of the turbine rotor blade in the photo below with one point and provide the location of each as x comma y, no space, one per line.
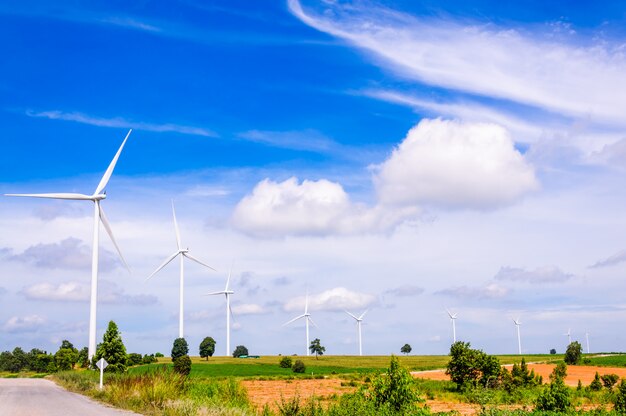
363,314
165,263
61,195
228,280
293,320
313,322
215,293
352,315
109,171
107,227
176,226
190,257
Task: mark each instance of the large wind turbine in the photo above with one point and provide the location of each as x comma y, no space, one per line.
453,319
307,318
226,292
183,252
98,195
358,320
519,339
569,336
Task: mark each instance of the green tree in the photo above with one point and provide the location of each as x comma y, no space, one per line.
285,362
134,359
239,351
83,358
596,384
552,351
65,358
317,348
609,380
66,344
573,354
182,365
406,349
207,348
112,349
620,398
394,390
555,397
179,348
298,367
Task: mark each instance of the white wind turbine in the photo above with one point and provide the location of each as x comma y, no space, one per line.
183,252
569,336
98,195
307,318
453,319
358,320
226,292
519,339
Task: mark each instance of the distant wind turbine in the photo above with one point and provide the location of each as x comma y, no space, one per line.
519,339
453,319
226,292
98,195
183,252
358,320
569,336
307,318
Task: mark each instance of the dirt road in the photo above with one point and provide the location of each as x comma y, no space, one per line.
34,397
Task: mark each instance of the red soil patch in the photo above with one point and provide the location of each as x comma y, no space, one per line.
270,392
574,373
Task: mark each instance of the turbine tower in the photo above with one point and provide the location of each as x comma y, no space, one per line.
226,292
569,336
519,339
587,338
98,195
184,253
453,319
307,318
358,320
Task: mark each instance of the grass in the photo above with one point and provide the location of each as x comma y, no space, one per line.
23,374
618,360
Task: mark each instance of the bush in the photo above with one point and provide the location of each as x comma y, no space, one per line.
394,389
609,380
298,367
468,367
159,355
285,362
239,351
620,398
179,348
148,359
182,365
134,359
573,354
555,397
596,385
552,351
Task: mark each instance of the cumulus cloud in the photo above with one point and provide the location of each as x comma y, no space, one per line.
455,164
616,258
248,309
490,291
28,323
108,292
70,253
405,290
547,274
337,299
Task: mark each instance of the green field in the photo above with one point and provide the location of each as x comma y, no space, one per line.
324,366
618,360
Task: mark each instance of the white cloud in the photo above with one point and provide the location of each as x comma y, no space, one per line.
490,291
546,274
455,164
70,253
248,309
483,59
108,292
405,290
121,122
616,258
306,140
27,323
337,299
131,23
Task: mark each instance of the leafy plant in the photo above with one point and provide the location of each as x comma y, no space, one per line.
298,367
394,389
317,348
609,380
285,362
406,349
596,384
179,348
112,349
468,367
207,347
182,365
239,351
555,397
620,398
574,353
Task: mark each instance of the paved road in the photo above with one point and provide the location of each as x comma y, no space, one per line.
39,397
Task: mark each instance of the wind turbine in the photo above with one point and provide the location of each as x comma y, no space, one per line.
453,319
226,292
519,339
569,336
358,320
98,216
307,318
183,252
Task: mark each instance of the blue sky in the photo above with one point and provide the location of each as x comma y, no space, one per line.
395,156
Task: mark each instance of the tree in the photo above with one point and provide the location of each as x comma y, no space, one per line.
83,358
207,347
112,349
609,380
182,365
468,366
406,349
552,351
239,351
298,367
148,359
66,344
179,348
555,397
574,353
596,385
285,362
65,358
134,359
394,390
317,348
620,398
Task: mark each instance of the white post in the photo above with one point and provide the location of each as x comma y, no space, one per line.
101,376
94,282
181,311
227,325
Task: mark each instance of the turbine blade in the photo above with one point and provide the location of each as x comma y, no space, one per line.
313,322
228,280
363,314
190,257
352,315
293,320
176,226
109,171
449,313
165,263
107,227
215,293
62,195
230,309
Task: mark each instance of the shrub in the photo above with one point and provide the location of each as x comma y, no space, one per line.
394,389
159,355
552,351
239,351
182,365
596,385
134,359
207,348
468,366
298,367
555,397
65,358
609,380
179,348
620,398
574,353
285,362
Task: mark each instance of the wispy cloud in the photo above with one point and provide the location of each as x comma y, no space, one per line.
305,140
30,323
547,274
131,23
78,292
336,299
616,258
405,291
119,122
490,291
